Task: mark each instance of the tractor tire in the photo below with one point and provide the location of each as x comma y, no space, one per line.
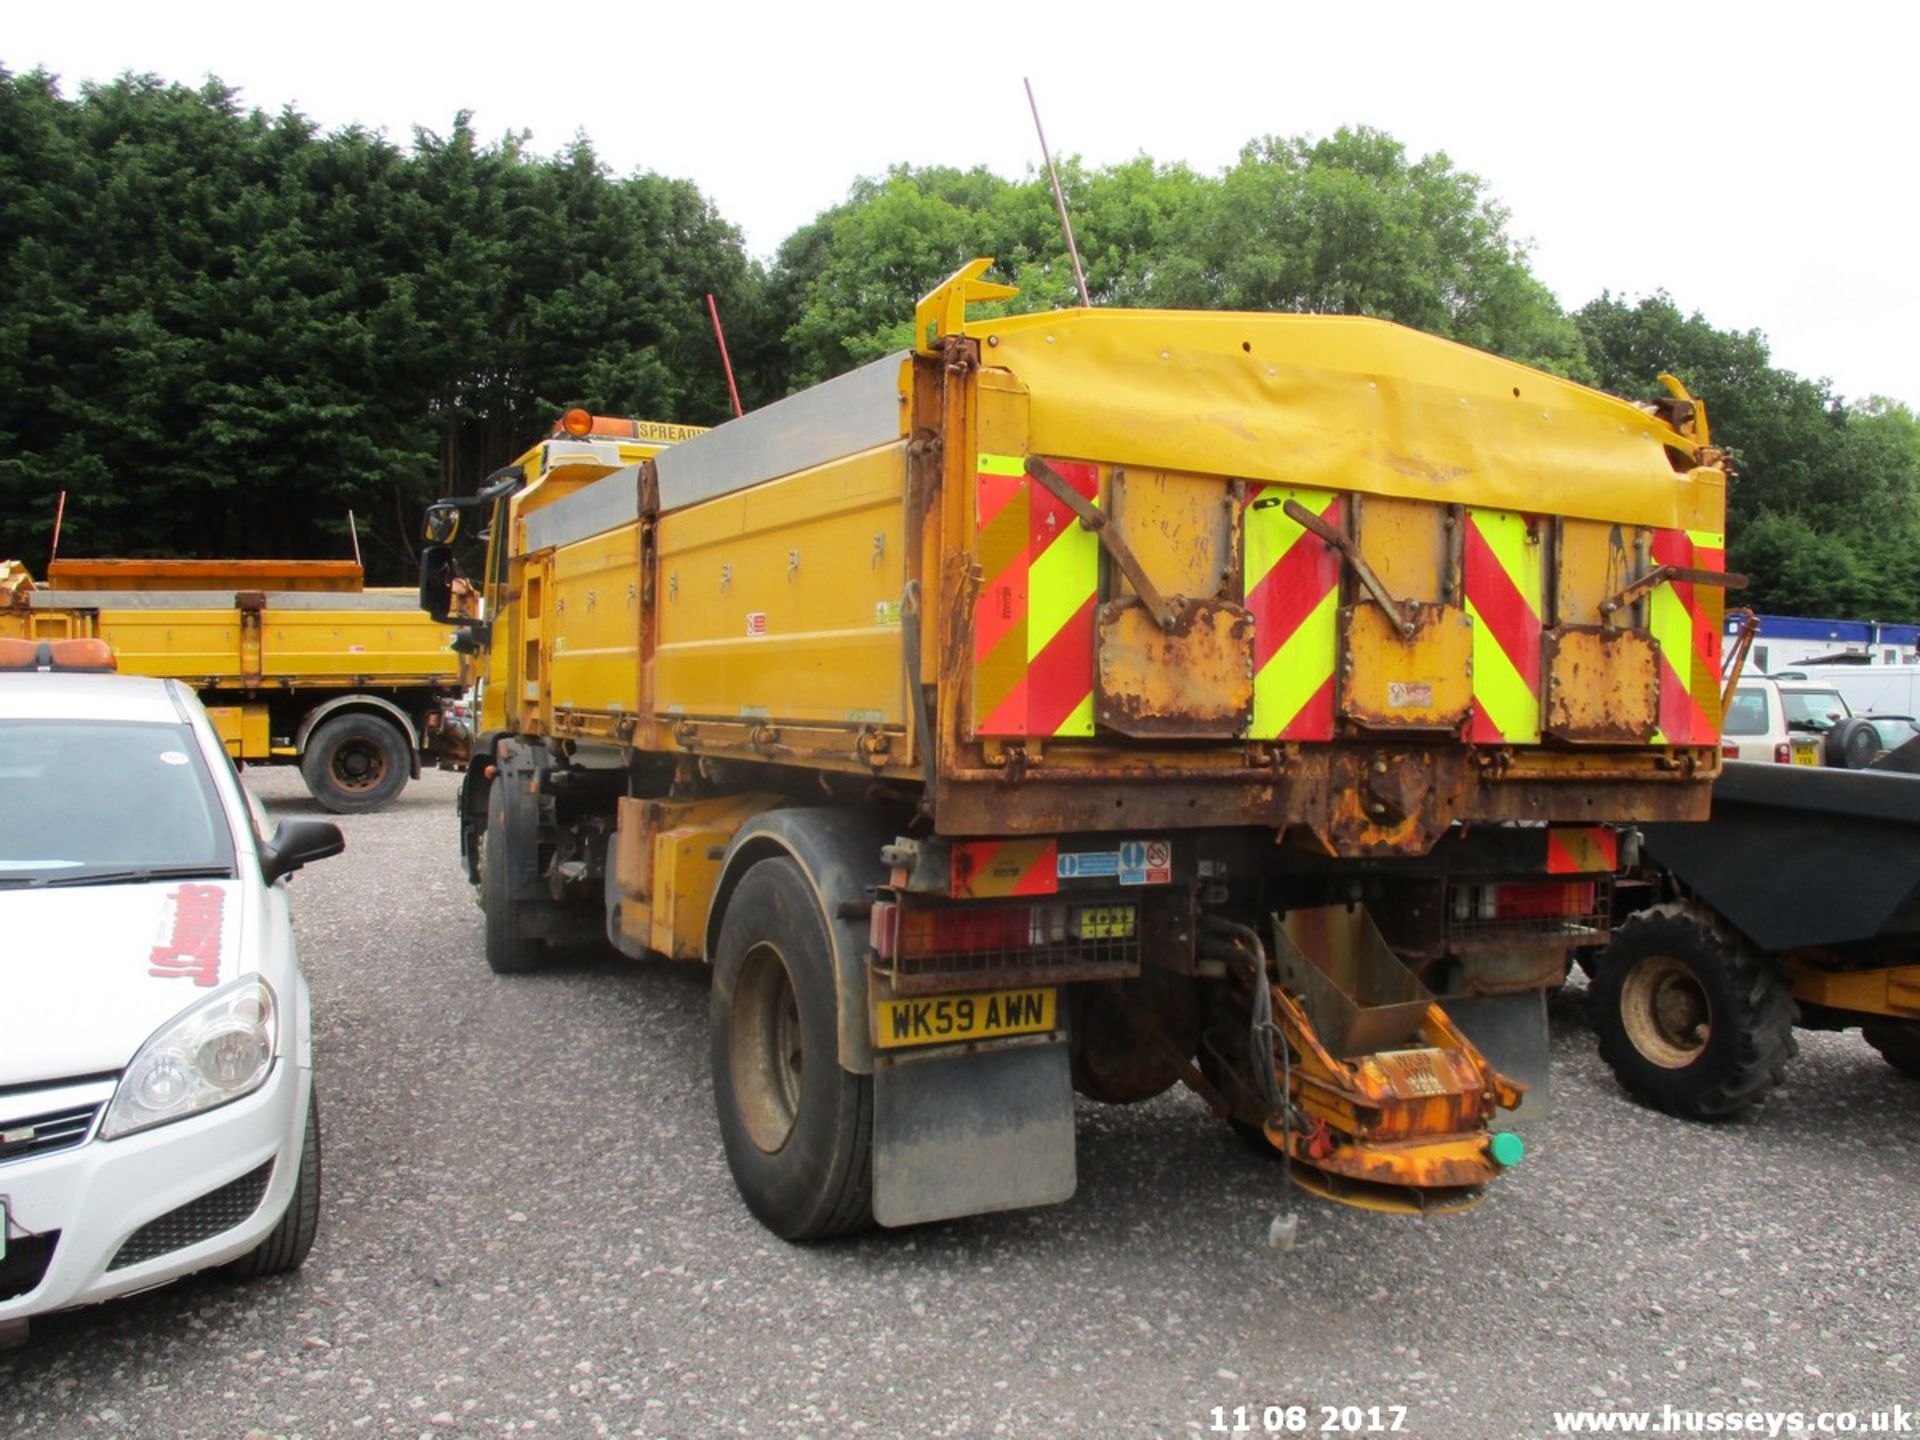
286,1246
508,857
1690,1019
1898,1042
356,763
798,1129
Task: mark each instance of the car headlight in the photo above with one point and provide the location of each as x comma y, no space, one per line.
217,1051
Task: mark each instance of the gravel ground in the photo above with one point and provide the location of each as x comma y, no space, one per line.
528,1229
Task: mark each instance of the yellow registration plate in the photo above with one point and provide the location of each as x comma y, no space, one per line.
944,1019
1806,752
1103,922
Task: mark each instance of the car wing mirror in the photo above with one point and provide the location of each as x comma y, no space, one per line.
299,842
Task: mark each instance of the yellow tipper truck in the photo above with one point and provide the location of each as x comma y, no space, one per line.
296,662
1101,700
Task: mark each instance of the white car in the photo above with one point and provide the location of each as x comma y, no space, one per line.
1770,718
156,1072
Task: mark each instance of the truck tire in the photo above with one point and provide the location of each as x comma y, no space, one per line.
355,763
1898,1042
1691,1021
798,1129
509,856
286,1246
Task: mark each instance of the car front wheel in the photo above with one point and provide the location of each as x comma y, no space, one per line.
286,1246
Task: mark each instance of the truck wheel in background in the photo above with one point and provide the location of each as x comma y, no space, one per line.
1898,1042
355,763
1691,1020
509,863
797,1128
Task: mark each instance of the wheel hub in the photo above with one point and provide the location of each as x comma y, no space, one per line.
358,767
1666,1012
768,1057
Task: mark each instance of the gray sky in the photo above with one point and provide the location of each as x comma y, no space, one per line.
1755,161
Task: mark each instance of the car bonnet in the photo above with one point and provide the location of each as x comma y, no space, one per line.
87,973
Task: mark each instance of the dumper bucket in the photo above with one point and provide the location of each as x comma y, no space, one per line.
1358,995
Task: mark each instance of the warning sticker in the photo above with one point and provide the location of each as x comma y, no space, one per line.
886,612
1136,862
1146,862
1409,694
756,622
1088,865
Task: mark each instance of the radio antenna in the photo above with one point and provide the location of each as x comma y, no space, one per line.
1059,199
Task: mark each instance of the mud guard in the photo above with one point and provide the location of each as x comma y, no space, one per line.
970,1134
1511,1031
953,1135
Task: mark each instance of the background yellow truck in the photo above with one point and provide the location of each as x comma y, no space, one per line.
295,660
1101,700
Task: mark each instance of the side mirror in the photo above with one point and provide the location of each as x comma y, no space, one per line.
436,582
442,523
299,842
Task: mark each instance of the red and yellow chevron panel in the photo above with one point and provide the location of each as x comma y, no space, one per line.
1293,591
1686,621
1504,579
1583,850
988,869
1033,624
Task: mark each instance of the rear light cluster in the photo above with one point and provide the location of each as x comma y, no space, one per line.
1532,900
901,932
1782,752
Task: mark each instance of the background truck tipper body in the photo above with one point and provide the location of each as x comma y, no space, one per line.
295,661
1101,700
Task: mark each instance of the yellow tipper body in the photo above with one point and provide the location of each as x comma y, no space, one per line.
1093,568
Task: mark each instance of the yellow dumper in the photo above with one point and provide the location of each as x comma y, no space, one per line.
295,660
1099,700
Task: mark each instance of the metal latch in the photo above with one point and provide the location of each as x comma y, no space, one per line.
1404,616
1662,574
1165,612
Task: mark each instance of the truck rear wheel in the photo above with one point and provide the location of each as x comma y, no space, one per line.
1898,1042
509,860
1691,1021
798,1129
355,763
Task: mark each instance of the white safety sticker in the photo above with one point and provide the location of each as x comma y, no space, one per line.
1136,862
1146,862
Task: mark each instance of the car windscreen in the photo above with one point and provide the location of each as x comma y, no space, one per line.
1746,714
86,800
1813,709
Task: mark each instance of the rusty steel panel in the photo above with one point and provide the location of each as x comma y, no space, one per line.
1592,562
1603,685
1408,543
1358,994
1417,681
1193,681
1181,528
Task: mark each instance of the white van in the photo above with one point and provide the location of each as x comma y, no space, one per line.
1871,689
